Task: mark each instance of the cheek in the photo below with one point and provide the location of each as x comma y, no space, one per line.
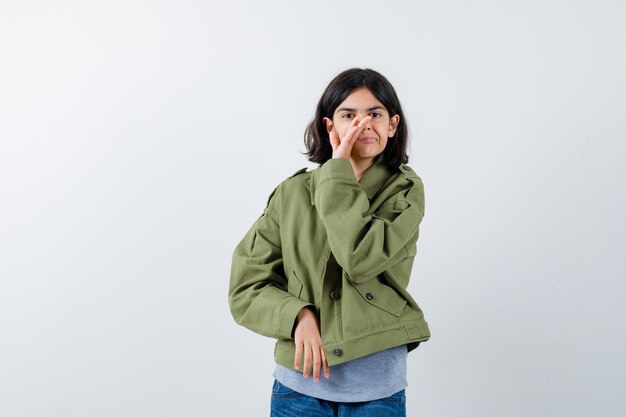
382,124
383,130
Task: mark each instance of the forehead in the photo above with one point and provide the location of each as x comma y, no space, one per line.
360,99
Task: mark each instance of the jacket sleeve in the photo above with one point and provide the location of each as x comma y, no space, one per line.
365,244
258,296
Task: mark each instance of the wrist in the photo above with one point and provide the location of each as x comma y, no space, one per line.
303,313
306,311
337,155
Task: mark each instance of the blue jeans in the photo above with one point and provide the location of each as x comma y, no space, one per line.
289,403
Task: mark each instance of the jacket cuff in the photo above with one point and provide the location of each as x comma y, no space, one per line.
339,168
288,315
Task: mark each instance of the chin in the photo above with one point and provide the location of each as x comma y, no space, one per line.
364,155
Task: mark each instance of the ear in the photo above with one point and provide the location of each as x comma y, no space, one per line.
393,125
329,124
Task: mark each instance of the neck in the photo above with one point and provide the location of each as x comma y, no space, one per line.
360,166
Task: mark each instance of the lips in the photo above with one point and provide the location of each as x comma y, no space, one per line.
367,139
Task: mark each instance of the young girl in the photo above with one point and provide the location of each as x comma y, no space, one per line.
325,268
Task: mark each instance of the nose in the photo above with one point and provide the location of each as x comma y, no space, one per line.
368,126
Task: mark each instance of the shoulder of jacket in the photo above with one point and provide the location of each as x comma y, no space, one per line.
416,191
408,173
298,172
296,178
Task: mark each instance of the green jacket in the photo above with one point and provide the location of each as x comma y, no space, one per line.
371,227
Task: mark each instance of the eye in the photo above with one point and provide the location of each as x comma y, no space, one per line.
375,115
347,116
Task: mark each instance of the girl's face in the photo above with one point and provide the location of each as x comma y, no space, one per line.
373,139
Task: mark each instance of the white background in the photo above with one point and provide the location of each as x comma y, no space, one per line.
139,140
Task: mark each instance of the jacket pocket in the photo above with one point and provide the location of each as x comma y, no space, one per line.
382,296
294,285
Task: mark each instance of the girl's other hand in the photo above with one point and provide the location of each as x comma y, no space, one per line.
308,341
343,148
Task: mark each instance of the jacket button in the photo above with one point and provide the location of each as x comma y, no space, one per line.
338,351
369,296
334,295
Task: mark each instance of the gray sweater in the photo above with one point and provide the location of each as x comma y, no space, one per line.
368,378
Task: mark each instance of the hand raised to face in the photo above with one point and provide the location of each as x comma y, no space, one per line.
342,147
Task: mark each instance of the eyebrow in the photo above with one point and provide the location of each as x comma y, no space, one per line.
353,110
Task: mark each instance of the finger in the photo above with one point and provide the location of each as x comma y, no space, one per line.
364,122
307,361
317,363
333,136
356,128
296,361
348,138
334,139
351,128
360,127
325,364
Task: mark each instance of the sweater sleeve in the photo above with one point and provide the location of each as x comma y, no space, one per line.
365,244
258,296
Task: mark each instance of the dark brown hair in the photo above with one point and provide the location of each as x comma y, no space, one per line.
316,138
